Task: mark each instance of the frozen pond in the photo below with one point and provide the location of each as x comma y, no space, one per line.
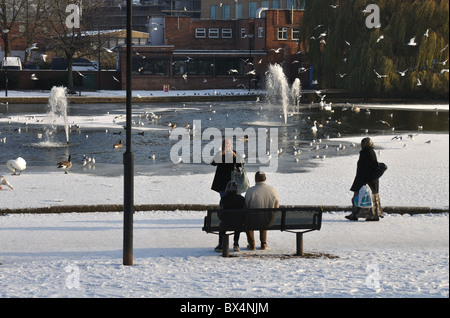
95,128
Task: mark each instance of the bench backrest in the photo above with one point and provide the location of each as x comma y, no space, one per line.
263,219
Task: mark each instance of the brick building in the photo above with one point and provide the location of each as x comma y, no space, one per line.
190,53
244,9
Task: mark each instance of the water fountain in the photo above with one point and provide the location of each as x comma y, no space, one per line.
277,89
57,107
296,94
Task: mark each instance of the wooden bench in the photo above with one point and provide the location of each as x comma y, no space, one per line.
297,220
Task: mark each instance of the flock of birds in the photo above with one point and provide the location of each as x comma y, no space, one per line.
19,164
412,43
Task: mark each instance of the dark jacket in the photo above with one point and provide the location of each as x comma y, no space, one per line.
367,165
231,201
223,173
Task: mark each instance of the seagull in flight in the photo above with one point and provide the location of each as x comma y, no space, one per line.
381,37
384,122
277,50
378,75
33,47
412,41
402,73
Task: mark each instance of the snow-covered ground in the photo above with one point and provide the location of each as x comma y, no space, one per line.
80,254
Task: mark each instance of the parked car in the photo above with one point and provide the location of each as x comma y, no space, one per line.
30,66
79,64
11,63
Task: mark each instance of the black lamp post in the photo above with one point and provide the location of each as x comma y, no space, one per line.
6,82
128,157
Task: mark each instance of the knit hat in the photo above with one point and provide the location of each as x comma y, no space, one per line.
231,187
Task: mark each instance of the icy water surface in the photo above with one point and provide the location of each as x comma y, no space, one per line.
95,128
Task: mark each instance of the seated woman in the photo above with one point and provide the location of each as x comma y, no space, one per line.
230,201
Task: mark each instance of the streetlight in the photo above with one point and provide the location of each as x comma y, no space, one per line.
128,158
6,81
6,31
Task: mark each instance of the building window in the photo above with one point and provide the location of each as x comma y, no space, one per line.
226,12
243,33
260,32
213,33
282,34
276,4
227,33
214,12
239,10
193,67
200,33
149,66
229,66
295,34
302,4
252,6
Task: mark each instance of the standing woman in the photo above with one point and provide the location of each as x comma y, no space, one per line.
366,167
224,160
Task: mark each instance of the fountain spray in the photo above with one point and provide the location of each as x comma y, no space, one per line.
57,104
277,89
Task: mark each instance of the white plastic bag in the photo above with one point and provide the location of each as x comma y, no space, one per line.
364,197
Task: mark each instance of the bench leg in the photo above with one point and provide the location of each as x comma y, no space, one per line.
299,244
225,245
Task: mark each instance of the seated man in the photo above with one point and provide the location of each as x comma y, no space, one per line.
260,196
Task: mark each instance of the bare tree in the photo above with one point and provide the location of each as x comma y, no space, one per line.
32,20
65,34
9,12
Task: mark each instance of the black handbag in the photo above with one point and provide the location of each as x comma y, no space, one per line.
379,171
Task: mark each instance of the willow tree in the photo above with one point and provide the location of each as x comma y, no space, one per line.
381,60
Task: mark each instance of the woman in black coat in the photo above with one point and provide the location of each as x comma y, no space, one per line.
231,201
224,160
366,167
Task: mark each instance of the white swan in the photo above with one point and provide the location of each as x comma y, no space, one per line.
314,128
17,165
3,181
